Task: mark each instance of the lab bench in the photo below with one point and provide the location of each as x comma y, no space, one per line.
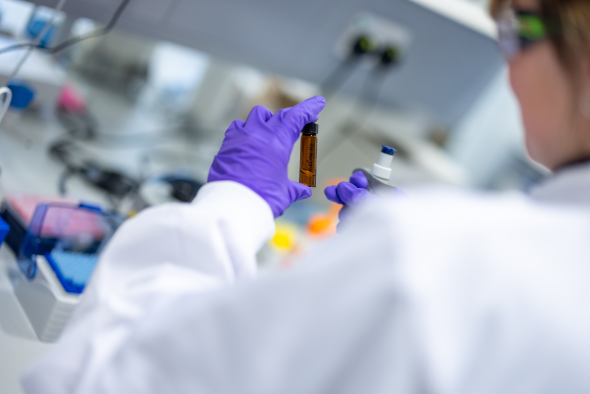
19,345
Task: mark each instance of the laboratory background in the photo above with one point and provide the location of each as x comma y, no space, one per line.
119,105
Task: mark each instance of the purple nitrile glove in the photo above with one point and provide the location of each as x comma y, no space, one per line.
256,153
350,194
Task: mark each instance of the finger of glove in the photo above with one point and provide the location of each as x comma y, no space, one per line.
236,124
258,115
359,180
233,130
332,195
350,194
293,119
298,191
305,112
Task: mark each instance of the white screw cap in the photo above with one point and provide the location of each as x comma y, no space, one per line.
382,169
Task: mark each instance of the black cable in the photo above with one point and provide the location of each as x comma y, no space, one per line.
84,127
338,77
389,57
138,140
16,46
362,46
372,90
377,78
74,40
100,32
114,183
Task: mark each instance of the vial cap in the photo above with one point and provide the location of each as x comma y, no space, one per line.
311,128
22,94
388,150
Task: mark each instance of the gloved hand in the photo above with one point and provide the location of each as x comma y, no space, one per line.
256,153
350,193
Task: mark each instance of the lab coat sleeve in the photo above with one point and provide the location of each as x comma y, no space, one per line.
335,324
218,235
161,253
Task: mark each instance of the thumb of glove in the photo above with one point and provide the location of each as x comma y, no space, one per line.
351,195
297,191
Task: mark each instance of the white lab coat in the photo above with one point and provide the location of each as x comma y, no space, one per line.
444,292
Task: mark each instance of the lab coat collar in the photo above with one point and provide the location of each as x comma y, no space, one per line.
569,185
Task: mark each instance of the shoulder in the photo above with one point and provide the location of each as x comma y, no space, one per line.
480,270
447,235
452,215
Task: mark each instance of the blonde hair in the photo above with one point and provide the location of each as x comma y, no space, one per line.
572,19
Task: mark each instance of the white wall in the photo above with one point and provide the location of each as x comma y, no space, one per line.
491,134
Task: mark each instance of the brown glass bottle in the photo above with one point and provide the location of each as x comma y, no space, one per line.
309,154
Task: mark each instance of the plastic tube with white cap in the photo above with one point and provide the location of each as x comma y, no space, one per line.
382,169
7,93
378,176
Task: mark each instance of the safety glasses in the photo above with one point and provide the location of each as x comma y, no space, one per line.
519,30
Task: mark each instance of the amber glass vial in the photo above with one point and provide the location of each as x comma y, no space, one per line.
309,154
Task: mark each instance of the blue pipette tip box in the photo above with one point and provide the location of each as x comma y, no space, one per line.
4,229
72,269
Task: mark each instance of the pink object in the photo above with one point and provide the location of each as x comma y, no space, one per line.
65,222
70,100
59,221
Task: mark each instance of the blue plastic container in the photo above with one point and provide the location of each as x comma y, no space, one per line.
36,27
70,237
22,95
4,229
72,269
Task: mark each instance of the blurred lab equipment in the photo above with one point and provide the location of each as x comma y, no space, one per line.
276,135
7,93
41,72
35,29
321,226
167,188
354,49
292,242
113,182
22,96
73,40
303,226
118,61
39,31
71,100
39,25
74,115
433,77
184,189
17,210
57,249
4,229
